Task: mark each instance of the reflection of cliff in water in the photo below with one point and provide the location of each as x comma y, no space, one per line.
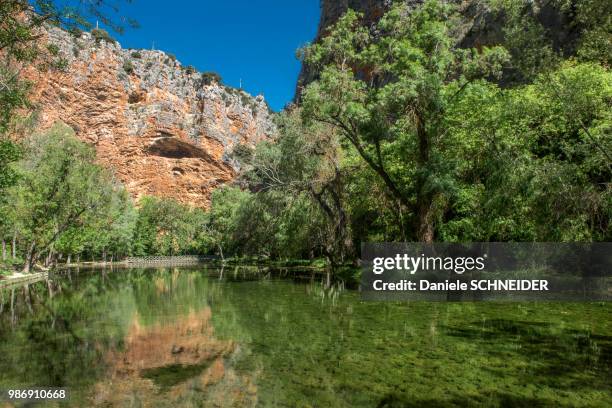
178,363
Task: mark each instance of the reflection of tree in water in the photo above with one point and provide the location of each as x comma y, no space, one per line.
147,332
48,335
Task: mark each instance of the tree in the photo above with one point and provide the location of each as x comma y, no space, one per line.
60,189
166,227
386,91
305,163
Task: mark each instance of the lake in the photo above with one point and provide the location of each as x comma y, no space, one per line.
247,336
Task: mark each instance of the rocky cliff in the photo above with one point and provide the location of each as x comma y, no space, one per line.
163,128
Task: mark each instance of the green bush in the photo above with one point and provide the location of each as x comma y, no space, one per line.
136,54
210,77
244,99
102,35
128,67
75,32
190,69
53,49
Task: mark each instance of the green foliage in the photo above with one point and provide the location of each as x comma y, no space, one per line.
101,35
166,227
189,69
404,136
59,190
13,95
297,209
136,54
128,67
53,49
389,94
9,153
209,78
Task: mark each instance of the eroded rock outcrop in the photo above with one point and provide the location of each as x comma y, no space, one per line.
164,129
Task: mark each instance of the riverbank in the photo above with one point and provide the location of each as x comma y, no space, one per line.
347,275
18,278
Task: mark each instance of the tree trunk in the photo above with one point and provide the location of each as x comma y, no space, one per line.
13,306
424,227
49,257
221,252
68,259
29,258
14,248
3,249
28,300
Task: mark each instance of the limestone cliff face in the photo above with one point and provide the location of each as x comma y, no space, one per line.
161,127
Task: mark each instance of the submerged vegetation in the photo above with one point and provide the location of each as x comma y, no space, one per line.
299,344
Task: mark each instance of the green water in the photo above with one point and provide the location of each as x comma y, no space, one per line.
191,337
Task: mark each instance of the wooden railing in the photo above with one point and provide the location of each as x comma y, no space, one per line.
168,260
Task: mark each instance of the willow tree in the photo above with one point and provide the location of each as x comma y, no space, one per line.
305,166
386,91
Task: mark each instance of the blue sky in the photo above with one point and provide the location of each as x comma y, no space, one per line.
252,40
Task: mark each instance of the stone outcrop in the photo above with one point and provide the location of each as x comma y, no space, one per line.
163,128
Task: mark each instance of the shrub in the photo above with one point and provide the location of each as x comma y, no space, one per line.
210,77
149,65
171,56
75,32
190,69
136,54
242,153
102,35
53,49
128,67
244,99
60,64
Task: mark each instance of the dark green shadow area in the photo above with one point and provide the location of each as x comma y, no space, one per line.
170,375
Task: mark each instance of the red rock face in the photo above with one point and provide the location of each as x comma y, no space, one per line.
155,124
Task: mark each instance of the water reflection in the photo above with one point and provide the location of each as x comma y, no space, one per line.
259,336
173,363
